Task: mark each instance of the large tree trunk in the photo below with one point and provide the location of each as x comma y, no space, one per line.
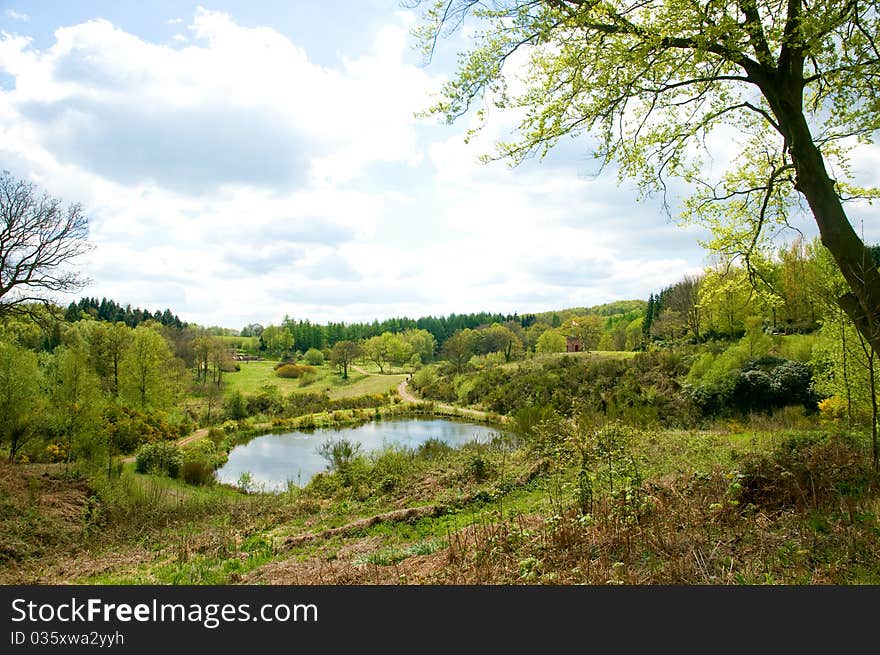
862,304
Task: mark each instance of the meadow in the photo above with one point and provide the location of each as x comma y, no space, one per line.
253,376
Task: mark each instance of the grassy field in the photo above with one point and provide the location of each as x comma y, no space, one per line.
254,375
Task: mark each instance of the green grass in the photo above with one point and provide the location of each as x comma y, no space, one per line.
247,343
254,375
388,369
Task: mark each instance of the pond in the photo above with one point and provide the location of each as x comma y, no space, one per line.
273,460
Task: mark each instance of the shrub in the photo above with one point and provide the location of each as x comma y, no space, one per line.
807,471
792,383
424,377
130,427
832,409
161,458
754,390
314,357
339,453
433,448
293,370
236,406
197,473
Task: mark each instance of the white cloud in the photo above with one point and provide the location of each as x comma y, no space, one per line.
232,179
240,105
16,15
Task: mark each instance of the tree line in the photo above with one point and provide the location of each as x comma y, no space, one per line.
109,310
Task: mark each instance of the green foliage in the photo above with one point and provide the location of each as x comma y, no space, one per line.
643,389
387,348
343,353
236,406
342,455
433,449
293,371
550,341
424,377
22,402
196,472
128,427
528,420
159,458
76,403
150,377
314,357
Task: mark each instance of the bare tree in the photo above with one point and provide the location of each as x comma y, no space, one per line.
38,238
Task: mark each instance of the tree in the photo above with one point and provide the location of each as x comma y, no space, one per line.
458,349
376,350
278,340
550,341
422,343
38,238
724,299
148,380
343,353
75,400
314,357
21,400
683,298
387,348
500,338
221,360
655,81
533,334
107,343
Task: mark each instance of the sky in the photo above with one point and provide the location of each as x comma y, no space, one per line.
244,160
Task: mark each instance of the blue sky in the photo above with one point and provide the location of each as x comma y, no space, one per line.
244,160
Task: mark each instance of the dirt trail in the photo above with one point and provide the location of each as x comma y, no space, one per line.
404,393
360,370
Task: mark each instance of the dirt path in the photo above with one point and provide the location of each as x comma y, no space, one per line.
362,371
198,434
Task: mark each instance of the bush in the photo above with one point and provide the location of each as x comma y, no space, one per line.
197,473
236,406
161,458
424,377
294,370
130,427
792,383
339,453
754,390
433,448
807,471
314,357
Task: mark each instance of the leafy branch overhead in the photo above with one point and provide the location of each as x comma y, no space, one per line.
670,88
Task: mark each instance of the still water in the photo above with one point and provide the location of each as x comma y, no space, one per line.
274,459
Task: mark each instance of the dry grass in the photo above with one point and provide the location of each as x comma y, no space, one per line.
800,516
